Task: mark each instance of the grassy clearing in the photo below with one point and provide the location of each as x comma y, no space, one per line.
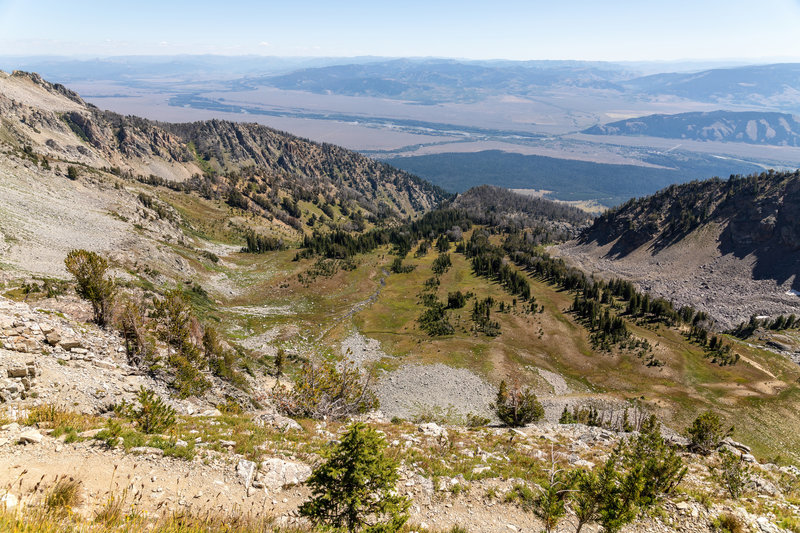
687,384
62,421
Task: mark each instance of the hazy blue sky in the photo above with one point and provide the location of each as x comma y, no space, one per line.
529,29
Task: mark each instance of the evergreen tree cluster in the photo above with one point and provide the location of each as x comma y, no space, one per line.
441,264
607,329
715,348
593,297
259,244
434,320
398,267
481,316
457,299
629,419
489,261
517,406
780,323
341,244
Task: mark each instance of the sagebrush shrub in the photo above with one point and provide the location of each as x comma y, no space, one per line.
323,390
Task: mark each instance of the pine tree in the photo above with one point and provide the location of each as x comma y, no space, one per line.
355,488
517,406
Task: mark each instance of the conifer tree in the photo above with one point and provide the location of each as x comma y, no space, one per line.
355,488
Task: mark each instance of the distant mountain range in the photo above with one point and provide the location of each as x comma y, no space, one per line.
439,80
776,86
754,127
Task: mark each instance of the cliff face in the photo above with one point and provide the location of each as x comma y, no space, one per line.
759,211
58,123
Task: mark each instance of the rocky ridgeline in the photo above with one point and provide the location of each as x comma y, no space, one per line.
758,213
58,123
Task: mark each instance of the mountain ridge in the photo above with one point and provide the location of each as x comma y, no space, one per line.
176,152
728,247
753,127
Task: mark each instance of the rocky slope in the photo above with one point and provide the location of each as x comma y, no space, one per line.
257,464
728,247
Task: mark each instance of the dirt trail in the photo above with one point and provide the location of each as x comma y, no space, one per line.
357,307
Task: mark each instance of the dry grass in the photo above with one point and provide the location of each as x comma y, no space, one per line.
33,520
729,523
58,417
64,495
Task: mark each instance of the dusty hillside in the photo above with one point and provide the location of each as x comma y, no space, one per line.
65,374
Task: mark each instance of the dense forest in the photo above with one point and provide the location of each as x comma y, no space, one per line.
568,179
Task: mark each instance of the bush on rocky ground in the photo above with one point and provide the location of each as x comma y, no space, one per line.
732,473
517,406
321,390
92,283
152,415
706,433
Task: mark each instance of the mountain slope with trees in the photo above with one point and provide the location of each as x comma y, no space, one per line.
203,154
730,247
226,327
